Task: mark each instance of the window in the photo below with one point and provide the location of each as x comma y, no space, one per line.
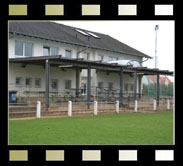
23,49
54,51
110,85
126,87
85,56
28,49
54,84
46,51
110,58
68,84
49,51
18,48
100,57
100,84
131,87
18,81
68,54
113,58
28,82
37,82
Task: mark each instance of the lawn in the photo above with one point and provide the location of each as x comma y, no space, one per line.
130,128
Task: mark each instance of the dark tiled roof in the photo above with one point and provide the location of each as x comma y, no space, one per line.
68,34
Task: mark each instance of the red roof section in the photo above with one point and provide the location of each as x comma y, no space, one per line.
162,79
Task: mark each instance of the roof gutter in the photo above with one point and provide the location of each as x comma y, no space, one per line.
72,43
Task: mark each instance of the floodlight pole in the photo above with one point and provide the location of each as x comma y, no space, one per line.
156,58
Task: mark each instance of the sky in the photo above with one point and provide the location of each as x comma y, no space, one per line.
139,35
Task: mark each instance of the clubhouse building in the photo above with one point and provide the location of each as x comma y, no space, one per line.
50,59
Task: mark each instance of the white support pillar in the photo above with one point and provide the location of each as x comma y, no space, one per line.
136,105
38,111
95,107
168,104
117,106
69,108
155,105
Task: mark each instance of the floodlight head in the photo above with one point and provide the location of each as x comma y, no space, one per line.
156,27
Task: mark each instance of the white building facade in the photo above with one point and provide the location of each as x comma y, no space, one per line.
31,78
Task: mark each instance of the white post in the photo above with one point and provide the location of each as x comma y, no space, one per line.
95,107
155,105
69,108
38,113
136,105
168,104
117,106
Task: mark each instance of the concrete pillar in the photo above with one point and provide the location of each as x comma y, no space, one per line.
117,107
136,106
95,107
69,108
38,110
168,104
155,105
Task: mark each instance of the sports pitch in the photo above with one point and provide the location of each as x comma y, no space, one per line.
115,129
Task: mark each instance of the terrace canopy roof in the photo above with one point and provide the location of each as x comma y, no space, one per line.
84,64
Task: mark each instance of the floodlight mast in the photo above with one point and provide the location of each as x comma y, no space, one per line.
156,58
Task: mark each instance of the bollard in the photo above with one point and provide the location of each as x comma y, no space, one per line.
38,113
168,104
69,108
117,106
136,105
155,105
95,107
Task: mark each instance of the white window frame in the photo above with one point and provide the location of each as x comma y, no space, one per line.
70,84
50,47
18,85
111,58
131,87
68,51
36,86
28,86
102,83
126,87
87,54
110,83
99,55
23,42
51,84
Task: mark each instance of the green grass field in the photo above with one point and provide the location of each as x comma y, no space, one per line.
130,128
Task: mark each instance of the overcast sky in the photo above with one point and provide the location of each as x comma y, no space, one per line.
139,35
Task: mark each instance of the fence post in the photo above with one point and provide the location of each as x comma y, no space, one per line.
155,105
136,105
38,111
117,106
168,104
69,108
95,107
